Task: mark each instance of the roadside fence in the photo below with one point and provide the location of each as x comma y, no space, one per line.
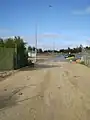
86,57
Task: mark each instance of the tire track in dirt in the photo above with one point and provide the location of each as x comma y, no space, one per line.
57,97
72,79
79,101
39,108
37,104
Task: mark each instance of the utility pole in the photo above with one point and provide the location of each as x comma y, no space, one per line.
50,6
53,47
36,43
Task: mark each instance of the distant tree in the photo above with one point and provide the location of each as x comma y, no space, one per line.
29,48
33,48
19,42
14,42
80,48
1,42
68,50
39,50
9,43
62,50
74,50
87,47
45,51
49,51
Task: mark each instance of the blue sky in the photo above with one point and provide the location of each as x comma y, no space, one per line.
66,23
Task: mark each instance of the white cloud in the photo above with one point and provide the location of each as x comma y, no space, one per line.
49,35
65,41
31,39
85,11
45,35
40,37
7,37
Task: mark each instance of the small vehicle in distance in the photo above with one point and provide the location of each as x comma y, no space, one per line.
70,56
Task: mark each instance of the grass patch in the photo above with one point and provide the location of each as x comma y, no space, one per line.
82,62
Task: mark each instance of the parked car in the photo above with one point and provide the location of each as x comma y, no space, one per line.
70,56
66,56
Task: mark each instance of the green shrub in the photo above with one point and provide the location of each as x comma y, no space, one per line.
82,62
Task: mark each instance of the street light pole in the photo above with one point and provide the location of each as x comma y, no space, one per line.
53,48
36,43
50,6
36,39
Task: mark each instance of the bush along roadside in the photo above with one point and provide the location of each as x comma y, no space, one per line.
82,62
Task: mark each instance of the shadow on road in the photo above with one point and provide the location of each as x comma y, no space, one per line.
38,67
7,101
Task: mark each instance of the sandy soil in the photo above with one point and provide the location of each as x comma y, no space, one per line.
56,91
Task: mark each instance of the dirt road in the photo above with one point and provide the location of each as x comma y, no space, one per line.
56,91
